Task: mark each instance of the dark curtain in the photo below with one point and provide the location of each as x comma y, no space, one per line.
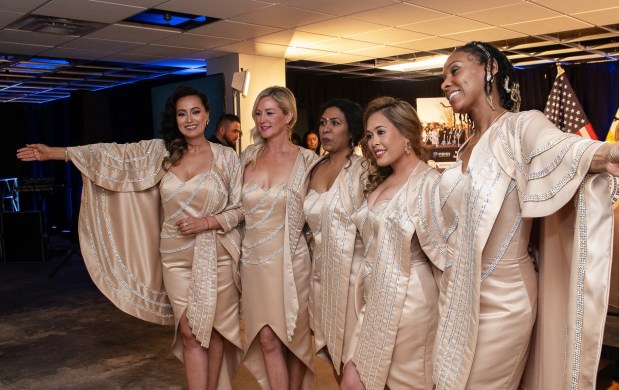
113,115
595,85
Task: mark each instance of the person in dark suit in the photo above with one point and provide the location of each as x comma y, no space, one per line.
227,131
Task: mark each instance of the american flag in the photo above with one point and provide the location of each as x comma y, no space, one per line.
564,110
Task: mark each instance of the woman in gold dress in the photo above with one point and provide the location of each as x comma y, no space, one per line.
397,324
275,260
162,213
508,319
335,193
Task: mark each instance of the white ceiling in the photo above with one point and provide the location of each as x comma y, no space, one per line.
345,36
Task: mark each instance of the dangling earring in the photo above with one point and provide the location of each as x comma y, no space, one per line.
489,100
407,147
352,144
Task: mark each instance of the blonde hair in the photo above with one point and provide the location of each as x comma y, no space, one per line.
286,102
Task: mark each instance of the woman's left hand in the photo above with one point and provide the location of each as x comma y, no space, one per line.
192,225
612,165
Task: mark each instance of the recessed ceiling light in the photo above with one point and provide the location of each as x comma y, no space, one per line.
162,18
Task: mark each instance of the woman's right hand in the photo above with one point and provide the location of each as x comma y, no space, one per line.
35,152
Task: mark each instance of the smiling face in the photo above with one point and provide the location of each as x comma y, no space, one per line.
270,120
191,117
384,140
464,82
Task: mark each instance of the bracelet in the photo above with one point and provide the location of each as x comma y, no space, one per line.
208,225
66,155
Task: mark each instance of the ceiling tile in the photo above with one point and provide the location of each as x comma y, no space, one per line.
339,7
7,17
234,30
132,33
193,41
447,25
59,52
570,7
281,16
130,58
21,6
547,26
433,43
398,14
139,3
600,17
298,53
389,35
380,51
99,44
339,58
255,48
21,49
294,38
487,34
34,38
341,27
512,14
456,7
94,11
159,51
204,54
339,45
215,9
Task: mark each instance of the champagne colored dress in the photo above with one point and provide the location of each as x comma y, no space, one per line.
275,270
337,253
502,324
132,248
398,322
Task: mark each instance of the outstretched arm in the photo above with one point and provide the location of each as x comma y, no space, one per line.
606,159
42,152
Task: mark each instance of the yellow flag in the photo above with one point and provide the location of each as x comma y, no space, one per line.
614,128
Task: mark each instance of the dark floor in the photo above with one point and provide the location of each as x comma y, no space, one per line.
57,331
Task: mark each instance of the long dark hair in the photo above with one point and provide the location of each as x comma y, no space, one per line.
174,140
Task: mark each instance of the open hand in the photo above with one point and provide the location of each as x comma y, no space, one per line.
33,152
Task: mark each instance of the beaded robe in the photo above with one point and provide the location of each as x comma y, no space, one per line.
337,252
397,325
130,205
496,314
275,269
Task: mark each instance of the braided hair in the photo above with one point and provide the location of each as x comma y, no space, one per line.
508,87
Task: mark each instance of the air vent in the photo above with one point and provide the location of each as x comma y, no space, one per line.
51,25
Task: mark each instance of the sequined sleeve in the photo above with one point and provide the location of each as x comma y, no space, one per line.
227,162
121,167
